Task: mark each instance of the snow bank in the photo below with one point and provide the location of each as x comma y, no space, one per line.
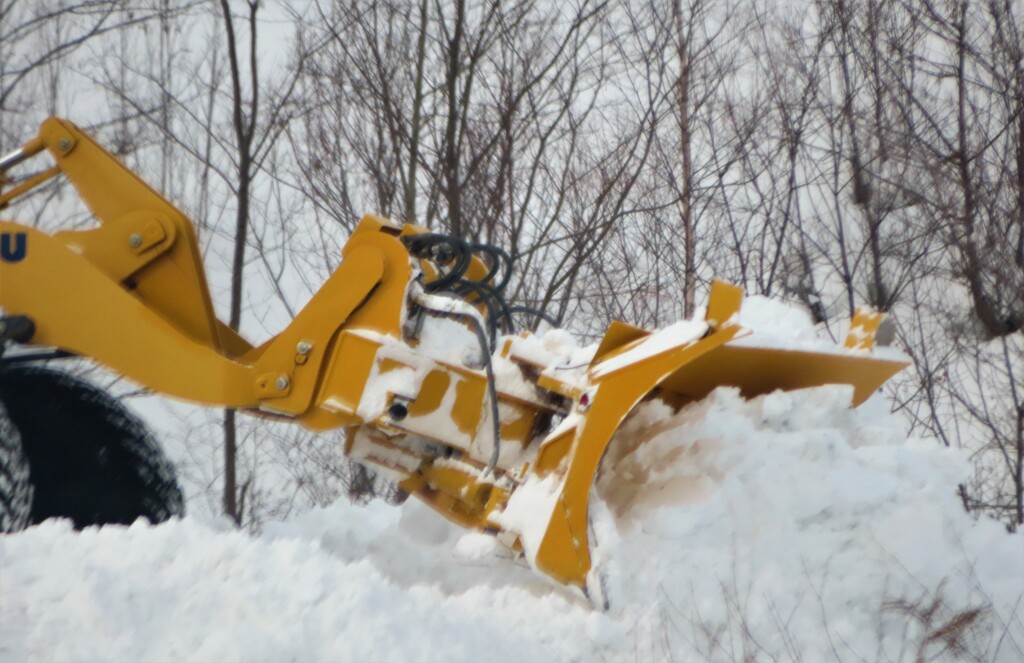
793,527
787,527
189,591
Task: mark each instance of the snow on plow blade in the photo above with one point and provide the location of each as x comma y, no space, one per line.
682,363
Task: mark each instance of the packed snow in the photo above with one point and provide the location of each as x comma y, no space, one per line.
788,527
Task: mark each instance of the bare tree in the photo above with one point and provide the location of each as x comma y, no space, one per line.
478,119
33,37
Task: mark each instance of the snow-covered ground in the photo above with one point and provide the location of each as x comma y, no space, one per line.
784,528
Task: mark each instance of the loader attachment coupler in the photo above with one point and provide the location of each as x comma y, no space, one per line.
402,348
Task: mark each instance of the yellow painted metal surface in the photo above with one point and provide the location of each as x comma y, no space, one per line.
863,327
617,335
299,351
564,553
76,307
347,372
757,371
121,202
724,303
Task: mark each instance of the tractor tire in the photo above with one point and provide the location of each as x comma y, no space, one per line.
89,458
15,483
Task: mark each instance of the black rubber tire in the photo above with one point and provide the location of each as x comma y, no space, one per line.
15,483
89,458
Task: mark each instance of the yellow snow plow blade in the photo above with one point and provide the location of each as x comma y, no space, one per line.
688,368
513,452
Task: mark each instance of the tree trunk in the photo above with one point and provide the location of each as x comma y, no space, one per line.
686,189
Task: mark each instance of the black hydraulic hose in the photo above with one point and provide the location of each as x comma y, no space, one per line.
430,245
463,288
500,258
540,313
496,263
496,305
454,274
421,246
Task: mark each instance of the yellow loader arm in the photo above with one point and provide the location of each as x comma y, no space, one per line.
131,294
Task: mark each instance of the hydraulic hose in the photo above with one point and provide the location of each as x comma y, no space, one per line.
460,309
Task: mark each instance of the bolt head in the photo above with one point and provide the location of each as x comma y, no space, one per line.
135,240
282,383
586,400
398,411
304,347
64,144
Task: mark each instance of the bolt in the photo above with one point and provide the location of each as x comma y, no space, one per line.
282,383
304,347
398,411
64,144
586,400
135,240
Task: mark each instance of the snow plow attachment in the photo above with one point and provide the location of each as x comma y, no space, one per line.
408,348
681,363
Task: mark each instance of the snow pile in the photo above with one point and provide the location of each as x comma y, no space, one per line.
788,527
793,527
777,324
